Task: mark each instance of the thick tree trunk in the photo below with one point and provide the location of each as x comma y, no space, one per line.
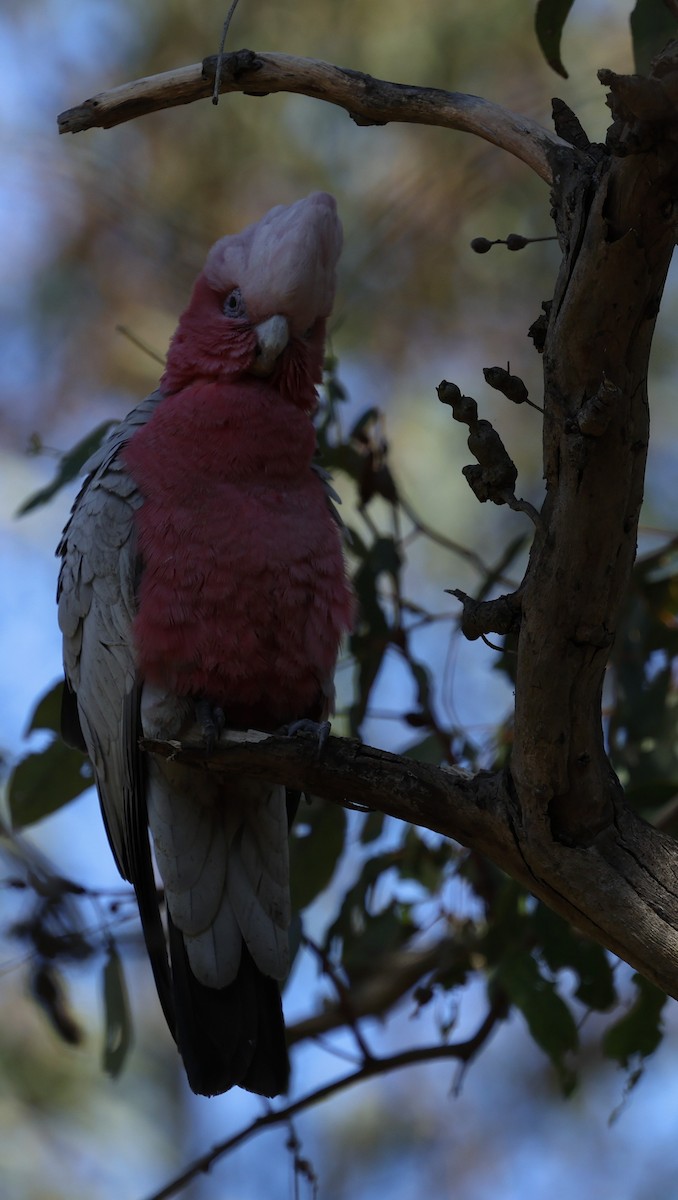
617,227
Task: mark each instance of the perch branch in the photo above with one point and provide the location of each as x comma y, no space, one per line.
368,101
620,889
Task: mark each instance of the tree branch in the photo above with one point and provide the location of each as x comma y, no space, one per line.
391,976
462,1052
616,223
367,101
621,888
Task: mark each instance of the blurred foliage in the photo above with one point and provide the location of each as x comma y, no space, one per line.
652,22
131,216
42,782
550,17
68,468
643,685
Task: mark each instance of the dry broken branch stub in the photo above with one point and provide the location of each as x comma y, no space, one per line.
538,328
501,615
644,108
637,98
595,413
568,126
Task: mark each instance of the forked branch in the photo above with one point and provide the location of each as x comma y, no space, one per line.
461,1052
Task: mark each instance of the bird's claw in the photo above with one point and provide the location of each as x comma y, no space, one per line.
320,730
212,722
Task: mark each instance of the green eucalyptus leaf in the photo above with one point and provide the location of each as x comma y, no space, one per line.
315,849
118,1025
68,468
638,1033
372,827
549,20
563,947
548,1017
385,931
42,783
428,750
652,26
47,712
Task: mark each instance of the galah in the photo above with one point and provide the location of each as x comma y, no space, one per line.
203,578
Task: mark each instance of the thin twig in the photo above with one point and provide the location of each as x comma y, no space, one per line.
220,55
444,736
343,996
428,531
492,646
140,345
530,511
461,1051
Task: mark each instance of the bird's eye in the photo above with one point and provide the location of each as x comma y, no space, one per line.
234,305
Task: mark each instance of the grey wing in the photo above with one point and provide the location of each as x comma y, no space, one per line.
96,598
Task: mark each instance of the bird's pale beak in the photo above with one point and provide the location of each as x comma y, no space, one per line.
272,337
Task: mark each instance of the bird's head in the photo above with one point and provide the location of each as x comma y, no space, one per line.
260,304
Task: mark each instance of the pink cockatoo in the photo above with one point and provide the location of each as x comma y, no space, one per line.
203,575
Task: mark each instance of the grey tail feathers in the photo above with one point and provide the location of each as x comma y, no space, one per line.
229,1036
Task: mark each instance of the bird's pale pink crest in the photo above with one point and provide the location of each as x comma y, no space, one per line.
285,263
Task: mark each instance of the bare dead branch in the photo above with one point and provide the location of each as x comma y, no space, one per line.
368,101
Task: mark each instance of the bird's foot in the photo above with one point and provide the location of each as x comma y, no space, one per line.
212,722
320,730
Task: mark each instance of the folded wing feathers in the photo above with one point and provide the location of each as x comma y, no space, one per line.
223,860
215,954
258,869
190,828
96,602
